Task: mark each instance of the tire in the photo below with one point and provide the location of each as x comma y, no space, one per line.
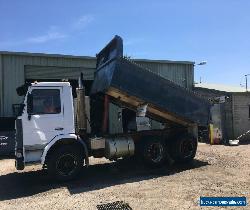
65,162
154,152
183,149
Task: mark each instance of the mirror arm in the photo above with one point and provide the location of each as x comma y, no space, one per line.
29,105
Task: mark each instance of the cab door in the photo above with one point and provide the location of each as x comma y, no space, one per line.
45,119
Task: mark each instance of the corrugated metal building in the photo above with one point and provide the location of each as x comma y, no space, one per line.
234,113
18,67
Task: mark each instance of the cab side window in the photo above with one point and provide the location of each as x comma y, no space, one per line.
46,101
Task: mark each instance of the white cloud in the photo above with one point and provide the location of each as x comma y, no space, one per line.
135,55
83,21
47,37
54,33
133,41
6,44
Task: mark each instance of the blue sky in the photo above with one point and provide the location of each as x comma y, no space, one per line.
217,31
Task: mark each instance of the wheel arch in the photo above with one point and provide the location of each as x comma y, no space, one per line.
70,139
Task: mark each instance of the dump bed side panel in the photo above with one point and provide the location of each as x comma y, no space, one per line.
159,92
133,85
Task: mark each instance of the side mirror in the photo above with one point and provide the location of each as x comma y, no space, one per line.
29,105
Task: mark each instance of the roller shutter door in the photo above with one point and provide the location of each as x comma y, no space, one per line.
55,72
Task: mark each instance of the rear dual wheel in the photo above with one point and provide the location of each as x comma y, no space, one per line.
154,152
183,148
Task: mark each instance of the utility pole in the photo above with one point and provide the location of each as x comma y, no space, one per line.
200,64
246,81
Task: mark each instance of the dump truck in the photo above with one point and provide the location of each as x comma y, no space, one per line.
61,133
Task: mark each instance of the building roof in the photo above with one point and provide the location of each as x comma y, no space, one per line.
221,87
89,57
164,61
45,55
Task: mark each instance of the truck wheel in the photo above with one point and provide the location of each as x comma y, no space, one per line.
154,153
65,162
184,148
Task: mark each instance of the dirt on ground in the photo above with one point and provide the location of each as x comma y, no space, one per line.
216,171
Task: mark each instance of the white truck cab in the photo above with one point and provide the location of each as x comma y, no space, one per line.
51,117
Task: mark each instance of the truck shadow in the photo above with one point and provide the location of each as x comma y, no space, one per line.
99,176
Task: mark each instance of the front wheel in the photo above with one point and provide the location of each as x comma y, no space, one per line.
65,163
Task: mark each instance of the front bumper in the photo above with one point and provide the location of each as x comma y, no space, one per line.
19,163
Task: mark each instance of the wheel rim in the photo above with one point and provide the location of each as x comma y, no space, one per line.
155,152
66,165
187,148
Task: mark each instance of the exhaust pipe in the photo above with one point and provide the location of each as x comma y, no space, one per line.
81,118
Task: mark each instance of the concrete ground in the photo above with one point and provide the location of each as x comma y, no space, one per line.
216,171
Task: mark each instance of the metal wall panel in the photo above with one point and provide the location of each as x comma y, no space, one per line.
55,72
1,85
13,77
241,122
228,120
181,74
14,73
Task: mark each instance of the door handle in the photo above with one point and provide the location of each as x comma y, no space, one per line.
59,129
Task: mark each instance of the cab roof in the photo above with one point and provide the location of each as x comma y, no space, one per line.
50,84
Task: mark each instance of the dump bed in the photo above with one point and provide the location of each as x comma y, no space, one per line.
131,85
